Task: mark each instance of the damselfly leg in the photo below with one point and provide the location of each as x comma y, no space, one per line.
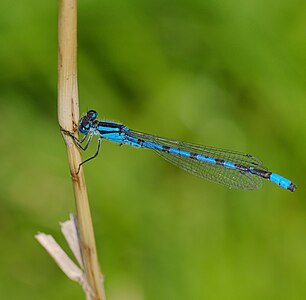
90,158
84,148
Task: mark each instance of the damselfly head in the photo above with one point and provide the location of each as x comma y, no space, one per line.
91,115
85,123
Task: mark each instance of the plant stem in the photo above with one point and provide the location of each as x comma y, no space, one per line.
68,115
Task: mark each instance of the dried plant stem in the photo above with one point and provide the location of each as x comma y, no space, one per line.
68,115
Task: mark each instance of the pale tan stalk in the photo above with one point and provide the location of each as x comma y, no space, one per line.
68,115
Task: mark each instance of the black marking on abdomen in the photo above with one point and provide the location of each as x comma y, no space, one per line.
193,155
243,169
166,149
140,141
219,162
261,173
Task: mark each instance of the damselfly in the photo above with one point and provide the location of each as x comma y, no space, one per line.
229,168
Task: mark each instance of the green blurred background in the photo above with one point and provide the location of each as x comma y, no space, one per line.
227,74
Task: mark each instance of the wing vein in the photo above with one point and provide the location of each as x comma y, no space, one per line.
211,172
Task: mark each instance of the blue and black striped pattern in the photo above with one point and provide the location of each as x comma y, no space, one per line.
229,168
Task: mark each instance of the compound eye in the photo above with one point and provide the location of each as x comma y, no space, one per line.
84,126
91,115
